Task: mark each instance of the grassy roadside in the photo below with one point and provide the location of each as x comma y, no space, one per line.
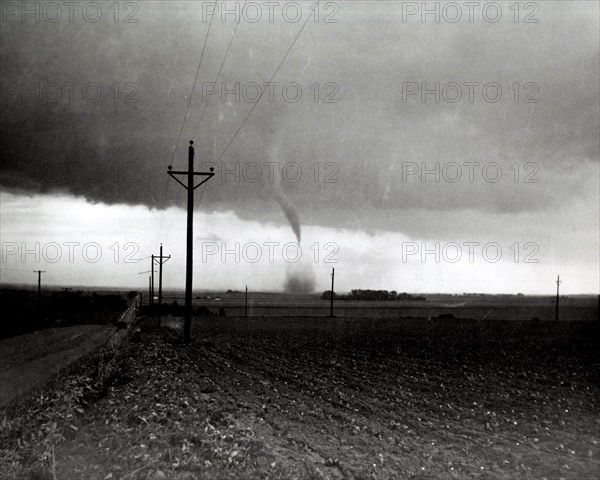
32,425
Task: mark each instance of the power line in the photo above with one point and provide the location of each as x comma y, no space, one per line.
216,82
199,199
219,74
193,86
185,117
163,208
263,90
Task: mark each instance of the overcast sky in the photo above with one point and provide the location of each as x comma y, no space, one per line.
388,133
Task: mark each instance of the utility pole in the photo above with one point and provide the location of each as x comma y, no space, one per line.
331,299
152,275
558,282
189,265
246,303
160,259
150,285
39,293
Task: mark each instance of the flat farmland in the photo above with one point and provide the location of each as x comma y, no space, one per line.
299,397
477,307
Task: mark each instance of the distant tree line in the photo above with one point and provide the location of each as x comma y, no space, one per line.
374,295
76,301
24,313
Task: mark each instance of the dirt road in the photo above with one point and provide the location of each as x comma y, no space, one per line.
31,359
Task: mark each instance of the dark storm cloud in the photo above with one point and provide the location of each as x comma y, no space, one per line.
356,156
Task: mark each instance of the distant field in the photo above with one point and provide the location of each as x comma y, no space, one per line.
493,307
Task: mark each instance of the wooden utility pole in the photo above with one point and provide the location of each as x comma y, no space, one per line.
246,303
331,299
39,292
160,260
152,277
558,282
150,284
189,265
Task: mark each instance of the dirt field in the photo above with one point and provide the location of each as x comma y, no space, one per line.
335,398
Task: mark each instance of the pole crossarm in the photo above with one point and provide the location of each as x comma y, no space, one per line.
172,173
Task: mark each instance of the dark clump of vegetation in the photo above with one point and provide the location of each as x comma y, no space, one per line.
67,301
24,312
374,295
